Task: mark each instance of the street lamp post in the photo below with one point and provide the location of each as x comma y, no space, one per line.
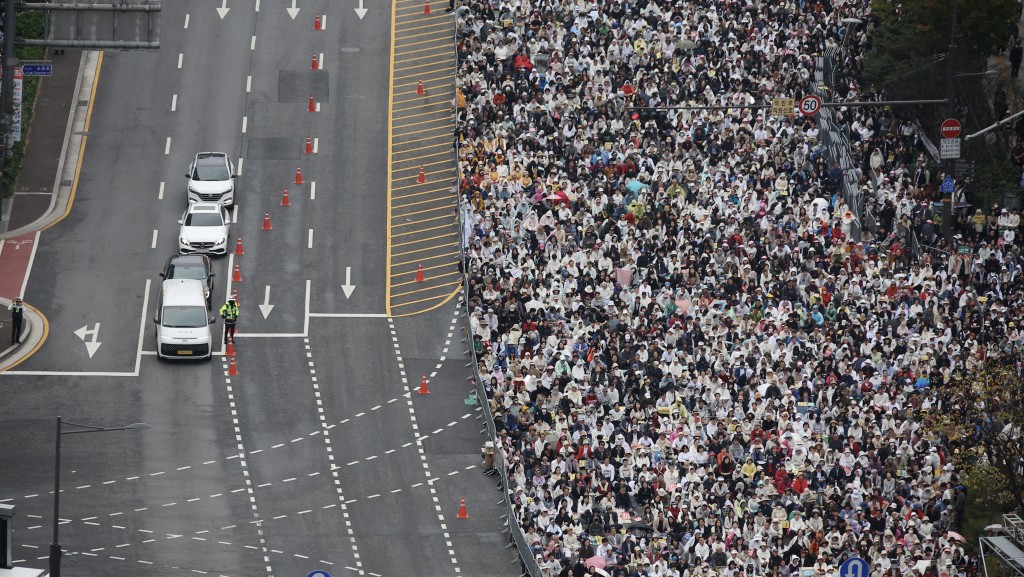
55,551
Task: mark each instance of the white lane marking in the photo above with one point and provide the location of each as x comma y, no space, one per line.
257,5
167,147
309,244
321,62
174,103
312,190
252,45
160,195
318,107
186,21
241,161
323,22
181,57
245,124
248,84
155,234
316,145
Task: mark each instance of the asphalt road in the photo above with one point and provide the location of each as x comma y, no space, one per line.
319,453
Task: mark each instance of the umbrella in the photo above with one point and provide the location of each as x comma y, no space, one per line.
956,536
686,44
596,561
634,185
602,572
995,527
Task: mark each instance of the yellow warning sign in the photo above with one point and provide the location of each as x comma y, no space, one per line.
782,106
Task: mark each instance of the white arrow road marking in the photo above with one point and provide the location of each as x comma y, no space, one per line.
294,10
348,287
92,345
266,307
360,12
223,10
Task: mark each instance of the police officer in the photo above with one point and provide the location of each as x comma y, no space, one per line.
229,312
17,308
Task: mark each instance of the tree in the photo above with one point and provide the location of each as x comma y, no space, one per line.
981,417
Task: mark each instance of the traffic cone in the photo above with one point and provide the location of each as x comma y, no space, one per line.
298,175
238,248
312,104
426,7
230,352
237,277
284,199
419,273
423,386
316,65
232,369
422,177
309,145
266,221
419,88
463,514
316,23
234,295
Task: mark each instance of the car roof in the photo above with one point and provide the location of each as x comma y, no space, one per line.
210,156
188,259
180,291
204,207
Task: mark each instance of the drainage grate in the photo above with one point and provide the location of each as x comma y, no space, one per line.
67,182
83,103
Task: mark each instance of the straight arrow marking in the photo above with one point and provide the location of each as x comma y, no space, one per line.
360,12
223,10
266,307
294,10
348,287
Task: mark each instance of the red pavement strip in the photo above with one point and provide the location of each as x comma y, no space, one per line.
16,256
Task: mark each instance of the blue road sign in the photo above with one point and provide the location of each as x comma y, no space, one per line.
854,567
947,185
37,69
318,573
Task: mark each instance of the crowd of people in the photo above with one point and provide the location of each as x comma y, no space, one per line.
697,362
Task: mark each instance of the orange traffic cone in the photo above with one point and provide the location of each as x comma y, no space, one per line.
234,295
312,104
309,145
232,369
298,176
239,251
419,273
284,199
423,386
230,352
463,514
316,24
266,221
419,88
426,7
316,65
237,277
422,176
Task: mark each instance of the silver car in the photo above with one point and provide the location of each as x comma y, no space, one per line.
211,178
205,228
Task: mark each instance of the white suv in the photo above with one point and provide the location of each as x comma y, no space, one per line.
205,228
211,178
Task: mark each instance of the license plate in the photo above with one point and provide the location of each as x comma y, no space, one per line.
184,352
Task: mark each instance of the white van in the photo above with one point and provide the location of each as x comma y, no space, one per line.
183,321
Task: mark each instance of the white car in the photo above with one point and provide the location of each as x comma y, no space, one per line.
205,228
211,178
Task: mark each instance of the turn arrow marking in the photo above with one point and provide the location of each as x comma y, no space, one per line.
266,307
360,12
348,287
294,10
223,10
91,346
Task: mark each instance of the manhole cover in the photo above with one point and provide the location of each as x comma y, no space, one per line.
350,49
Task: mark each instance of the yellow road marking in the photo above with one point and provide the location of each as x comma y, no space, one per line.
407,186
422,131
436,266
391,133
442,135
431,191
46,323
427,99
427,249
414,83
441,42
428,201
422,156
447,118
439,50
446,32
435,13
427,288
447,207
439,23
420,221
422,76
442,111
434,57
427,310
444,144
426,258
419,230
423,239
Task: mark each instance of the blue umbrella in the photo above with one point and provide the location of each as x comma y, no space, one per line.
635,185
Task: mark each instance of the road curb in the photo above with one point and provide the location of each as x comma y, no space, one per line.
70,150
31,337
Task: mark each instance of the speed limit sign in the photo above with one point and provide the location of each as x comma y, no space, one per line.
810,105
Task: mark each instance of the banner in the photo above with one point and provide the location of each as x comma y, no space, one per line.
16,105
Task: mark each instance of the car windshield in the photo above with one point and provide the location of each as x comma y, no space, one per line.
193,271
203,219
211,171
184,317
